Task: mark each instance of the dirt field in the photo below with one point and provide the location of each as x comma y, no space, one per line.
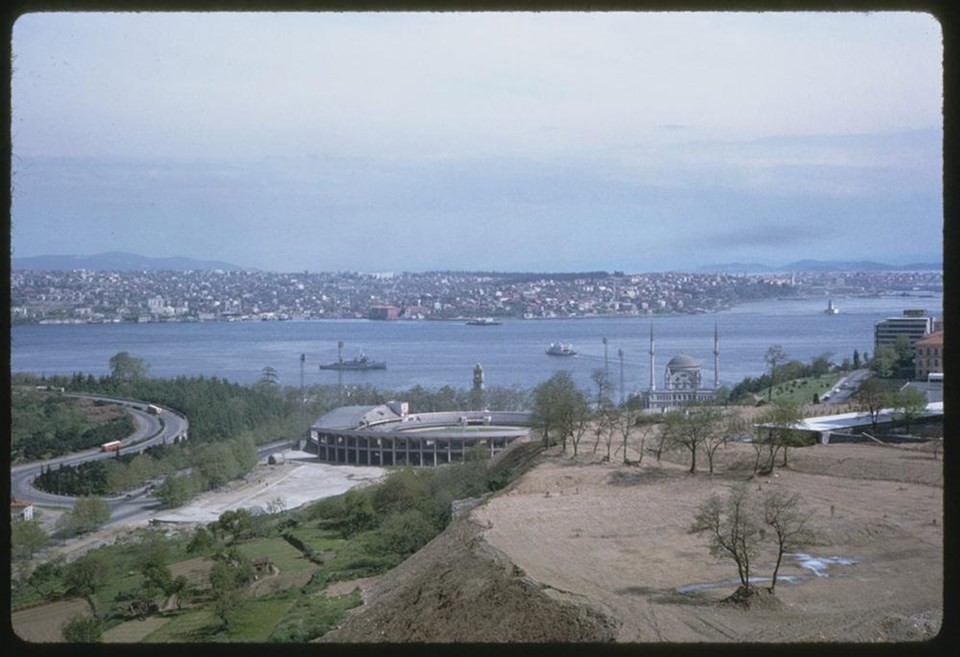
609,544
43,623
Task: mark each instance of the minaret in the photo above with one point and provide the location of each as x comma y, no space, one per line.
716,357
653,368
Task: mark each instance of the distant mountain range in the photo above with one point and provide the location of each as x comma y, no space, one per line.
117,261
121,261
821,266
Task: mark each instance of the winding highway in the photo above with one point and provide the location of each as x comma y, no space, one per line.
150,430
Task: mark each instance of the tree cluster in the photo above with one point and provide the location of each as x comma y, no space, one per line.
740,526
45,425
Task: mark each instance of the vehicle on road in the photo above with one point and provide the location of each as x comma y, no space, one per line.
112,446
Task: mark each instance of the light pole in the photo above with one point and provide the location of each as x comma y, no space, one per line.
340,372
620,353
303,424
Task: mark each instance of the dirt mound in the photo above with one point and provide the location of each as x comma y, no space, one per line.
460,589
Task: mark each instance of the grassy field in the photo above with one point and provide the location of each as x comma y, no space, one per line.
801,391
281,554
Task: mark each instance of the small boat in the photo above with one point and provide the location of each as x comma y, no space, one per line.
831,309
561,349
361,362
483,321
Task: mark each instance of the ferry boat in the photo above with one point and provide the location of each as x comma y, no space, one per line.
831,309
483,321
561,349
361,362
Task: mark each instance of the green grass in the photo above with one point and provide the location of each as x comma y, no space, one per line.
314,616
252,623
800,391
318,539
255,621
283,555
188,626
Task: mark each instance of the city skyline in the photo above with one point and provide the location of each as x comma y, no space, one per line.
490,141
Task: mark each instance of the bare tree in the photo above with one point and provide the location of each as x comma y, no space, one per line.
774,355
690,429
579,423
790,524
735,530
780,427
627,422
872,396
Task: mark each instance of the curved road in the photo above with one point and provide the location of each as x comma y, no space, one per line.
150,430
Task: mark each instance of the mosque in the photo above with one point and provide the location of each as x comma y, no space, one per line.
682,380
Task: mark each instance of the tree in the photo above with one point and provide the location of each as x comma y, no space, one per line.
908,404
780,429
176,490
269,376
88,514
125,367
872,396
774,355
690,429
790,525
87,574
856,359
884,363
47,578
82,629
601,377
557,405
735,530
26,538
230,573
626,422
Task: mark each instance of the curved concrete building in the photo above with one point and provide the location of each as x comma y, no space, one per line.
389,435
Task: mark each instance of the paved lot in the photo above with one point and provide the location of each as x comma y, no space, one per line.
300,479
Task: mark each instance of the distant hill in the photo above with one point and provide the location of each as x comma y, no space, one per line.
738,268
116,261
823,265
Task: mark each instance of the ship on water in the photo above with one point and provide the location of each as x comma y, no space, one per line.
561,349
483,321
360,362
831,309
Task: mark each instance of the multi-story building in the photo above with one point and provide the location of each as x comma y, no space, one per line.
914,325
928,355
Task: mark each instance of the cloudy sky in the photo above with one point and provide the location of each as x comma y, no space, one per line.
494,141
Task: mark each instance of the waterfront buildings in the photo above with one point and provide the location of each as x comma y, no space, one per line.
913,325
928,356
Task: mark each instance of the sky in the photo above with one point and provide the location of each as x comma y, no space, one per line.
618,141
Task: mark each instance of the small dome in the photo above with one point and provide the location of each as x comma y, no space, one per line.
683,361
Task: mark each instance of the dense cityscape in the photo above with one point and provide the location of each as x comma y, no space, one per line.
85,296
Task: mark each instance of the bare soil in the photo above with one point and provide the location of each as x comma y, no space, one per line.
583,550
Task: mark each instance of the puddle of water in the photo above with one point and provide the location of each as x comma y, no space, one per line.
816,565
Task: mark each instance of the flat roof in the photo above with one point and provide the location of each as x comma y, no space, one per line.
850,420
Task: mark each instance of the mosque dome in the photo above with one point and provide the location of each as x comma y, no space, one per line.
683,361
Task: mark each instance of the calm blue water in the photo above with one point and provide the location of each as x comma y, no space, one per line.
434,354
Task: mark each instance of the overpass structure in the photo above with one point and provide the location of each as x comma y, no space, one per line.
390,435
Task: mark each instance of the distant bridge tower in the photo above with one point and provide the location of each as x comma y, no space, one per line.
716,357
653,369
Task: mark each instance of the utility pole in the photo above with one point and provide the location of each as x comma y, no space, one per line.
303,423
620,353
340,372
